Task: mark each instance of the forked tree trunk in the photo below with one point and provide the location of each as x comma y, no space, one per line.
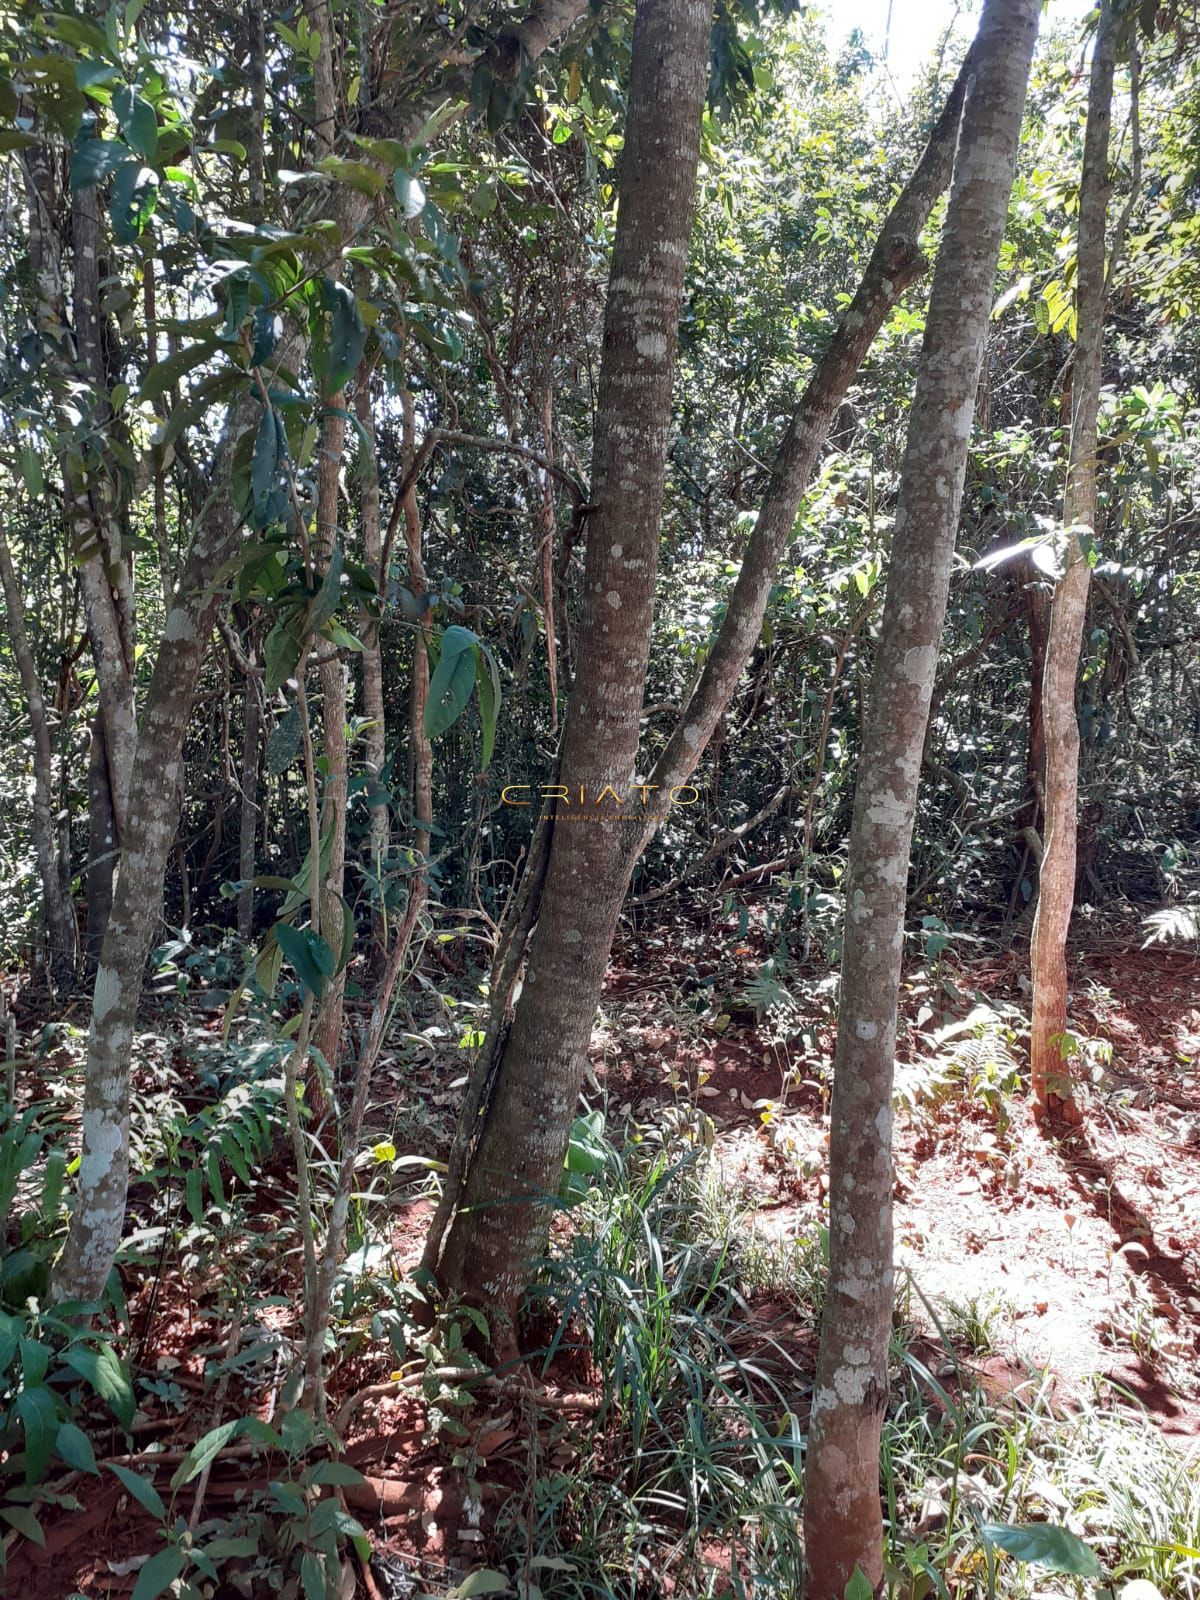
520,1155
843,1525
549,1039
1050,1065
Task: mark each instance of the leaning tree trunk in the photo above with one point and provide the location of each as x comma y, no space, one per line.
1050,1067
60,916
843,1524
520,1155
96,1225
895,264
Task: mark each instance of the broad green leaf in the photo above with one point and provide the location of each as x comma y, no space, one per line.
264,463
25,1522
1044,1544
281,652
450,686
859,1586
487,679
138,120
308,953
142,1490
410,194
38,1415
312,1576
165,374
485,1581
134,197
100,1368
74,1446
159,1573
94,160
348,334
284,744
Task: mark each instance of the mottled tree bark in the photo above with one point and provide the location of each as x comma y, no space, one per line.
844,1524
96,1225
842,1518
519,1158
1050,1067
60,917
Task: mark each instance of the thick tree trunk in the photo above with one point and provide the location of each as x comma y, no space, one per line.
60,917
842,1518
1050,1068
519,1160
96,1226
895,263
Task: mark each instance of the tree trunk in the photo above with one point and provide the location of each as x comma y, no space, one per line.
519,1160
96,1225
102,841
1050,1067
895,263
375,733
60,917
248,822
327,1032
842,1517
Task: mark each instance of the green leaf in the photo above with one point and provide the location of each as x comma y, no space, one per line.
268,330
1044,1544
281,652
264,463
452,681
38,1415
859,1587
337,1474
100,1368
94,160
366,179
23,1520
284,744
308,953
159,1573
165,374
487,679
142,1490
410,194
138,120
348,335
312,1576
485,1581
74,1446
206,1449
134,197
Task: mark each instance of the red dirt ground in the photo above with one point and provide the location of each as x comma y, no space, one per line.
1083,1251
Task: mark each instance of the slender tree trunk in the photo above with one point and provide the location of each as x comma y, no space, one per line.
96,1225
546,1035
327,1031
102,841
1049,1059
374,710
248,822
521,1148
842,1518
60,917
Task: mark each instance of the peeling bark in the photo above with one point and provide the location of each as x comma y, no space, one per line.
842,1518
